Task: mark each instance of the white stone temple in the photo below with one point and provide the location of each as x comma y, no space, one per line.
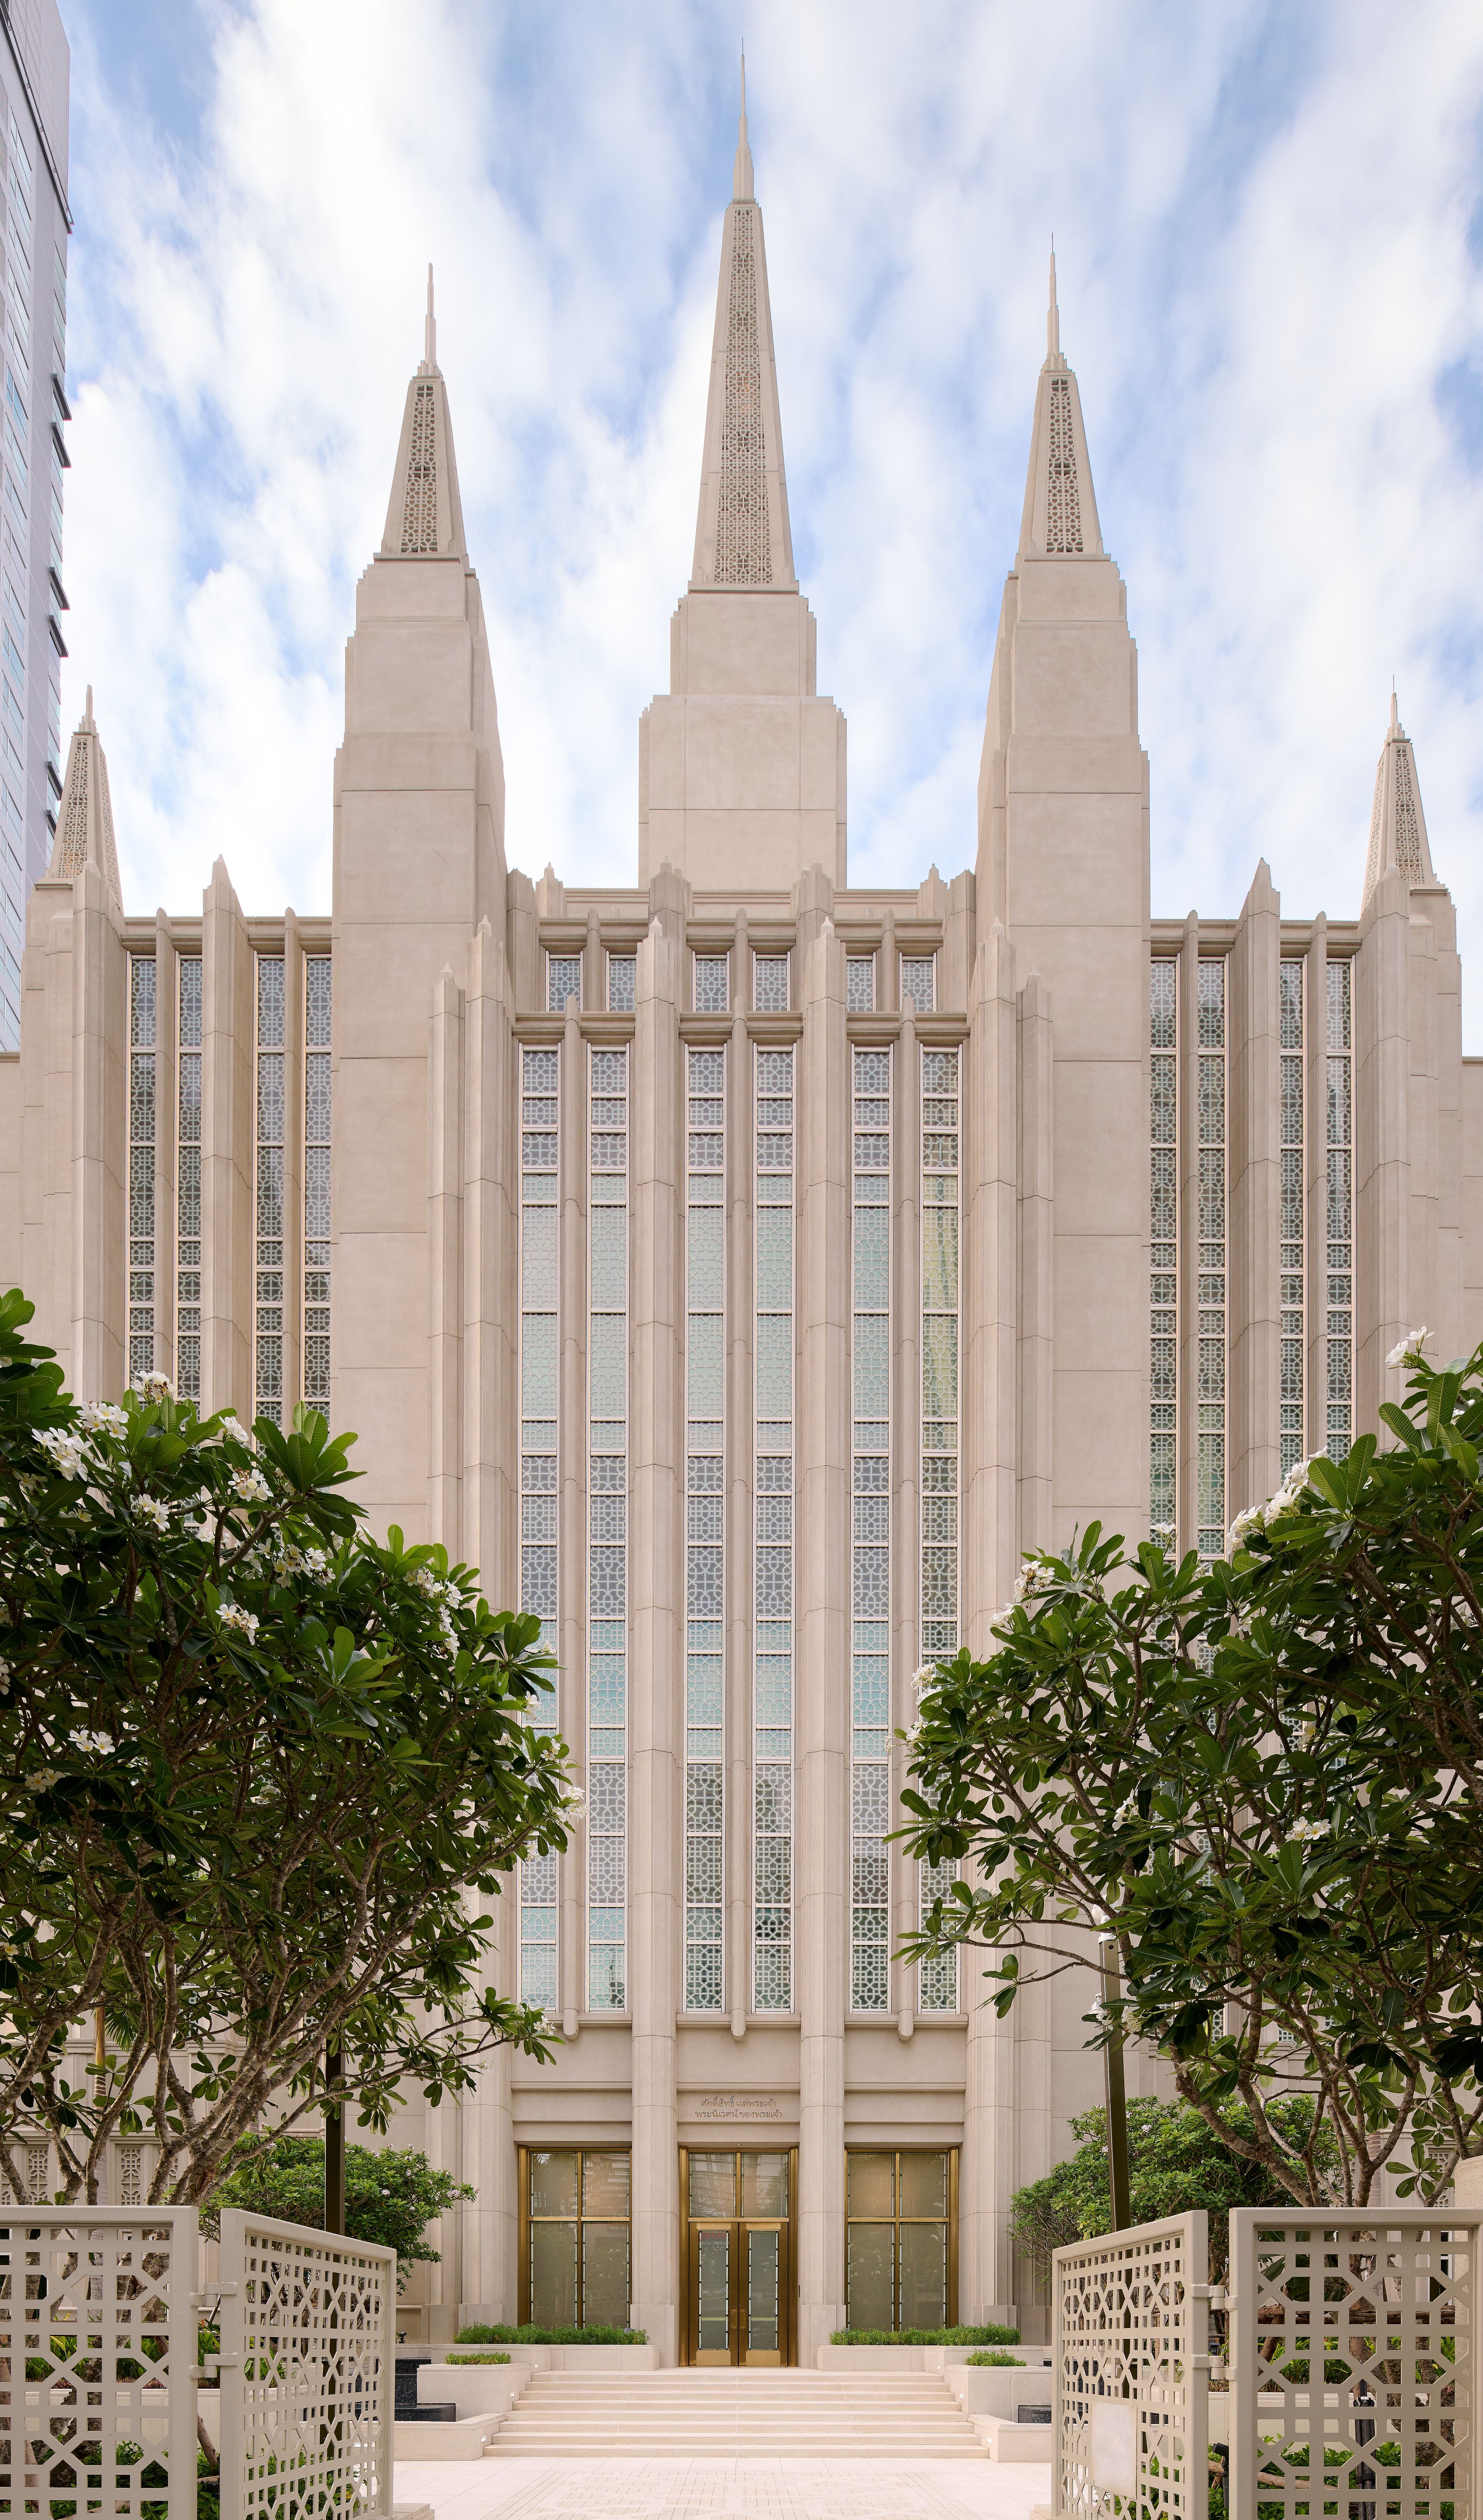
743,1269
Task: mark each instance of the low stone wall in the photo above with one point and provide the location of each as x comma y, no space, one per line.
921,2357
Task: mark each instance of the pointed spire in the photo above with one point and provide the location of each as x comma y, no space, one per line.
1397,825
743,535
1059,519
424,516
741,171
85,815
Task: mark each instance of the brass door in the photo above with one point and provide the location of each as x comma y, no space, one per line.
738,2292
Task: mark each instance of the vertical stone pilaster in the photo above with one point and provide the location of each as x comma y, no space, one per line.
959,943
1435,905
46,1116
821,1630
99,1066
656,1616
989,1282
491,1264
227,1140
445,1183
522,946
572,1507
1036,1276
1381,1019
1254,1123
906,1470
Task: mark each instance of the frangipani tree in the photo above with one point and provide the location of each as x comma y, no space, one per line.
260,1777
1263,1780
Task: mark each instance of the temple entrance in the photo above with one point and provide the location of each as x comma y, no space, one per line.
741,2284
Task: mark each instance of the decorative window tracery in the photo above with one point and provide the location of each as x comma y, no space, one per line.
773,1565
1339,1344
769,984
318,1008
712,984
1210,1372
608,1539
869,1553
143,1109
1407,826
268,1222
937,1987
564,981
1290,1220
622,976
919,981
704,1536
1163,1219
860,984
540,1286
744,530
188,1181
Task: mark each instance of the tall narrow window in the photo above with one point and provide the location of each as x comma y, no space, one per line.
540,1279
1210,1456
564,981
317,1014
712,984
704,1546
622,973
188,1183
142,1109
268,1325
1291,1371
937,1991
1163,1218
1340,1375
772,1430
870,1571
860,984
769,984
607,1551
919,981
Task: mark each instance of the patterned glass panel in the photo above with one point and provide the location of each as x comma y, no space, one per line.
704,1547
318,1012
1338,1380
608,1534
937,1988
540,1569
188,1180
1290,1222
1209,1343
772,1964
1163,1225
141,1291
870,1571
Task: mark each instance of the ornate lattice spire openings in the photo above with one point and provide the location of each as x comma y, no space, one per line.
424,518
85,818
1059,520
742,537
1397,825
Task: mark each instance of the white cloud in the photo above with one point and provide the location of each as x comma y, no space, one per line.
1262,219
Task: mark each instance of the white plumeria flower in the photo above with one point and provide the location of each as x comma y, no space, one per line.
250,1487
232,1615
1408,1350
1127,1811
1252,1518
155,1387
153,1509
573,1804
91,1740
64,1451
101,1416
40,1780
1305,1829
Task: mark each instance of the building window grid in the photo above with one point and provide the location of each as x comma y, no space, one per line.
268,1203
143,1105
317,1011
564,981
770,975
188,1181
1210,1385
937,1978
773,1565
704,1544
1338,1377
607,1538
1291,1236
540,1281
860,984
1163,1246
870,1567
622,983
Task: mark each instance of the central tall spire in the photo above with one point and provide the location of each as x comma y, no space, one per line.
1059,520
424,516
743,536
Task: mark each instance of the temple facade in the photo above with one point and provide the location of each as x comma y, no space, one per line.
742,1271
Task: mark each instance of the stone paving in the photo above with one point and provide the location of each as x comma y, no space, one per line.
724,2489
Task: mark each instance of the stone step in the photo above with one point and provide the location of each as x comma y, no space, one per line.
730,2413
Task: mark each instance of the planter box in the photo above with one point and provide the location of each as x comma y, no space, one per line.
922,2358
582,2358
415,2443
1003,2440
477,2388
987,2392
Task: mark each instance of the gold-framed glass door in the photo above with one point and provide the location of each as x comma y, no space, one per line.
901,2239
741,2281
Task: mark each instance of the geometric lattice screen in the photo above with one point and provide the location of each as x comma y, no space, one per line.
1130,2326
98,2347
309,2372
1355,2340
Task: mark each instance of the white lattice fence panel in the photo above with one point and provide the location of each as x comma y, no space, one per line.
1130,2356
308,2380
98,2347
1355,2341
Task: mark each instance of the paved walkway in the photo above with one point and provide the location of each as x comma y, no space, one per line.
723,2488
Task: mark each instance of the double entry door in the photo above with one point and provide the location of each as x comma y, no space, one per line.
741,2280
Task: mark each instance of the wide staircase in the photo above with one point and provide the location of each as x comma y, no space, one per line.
736,2414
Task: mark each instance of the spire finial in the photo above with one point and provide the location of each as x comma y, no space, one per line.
1394,723
1053,318
741,172
430,339
88,714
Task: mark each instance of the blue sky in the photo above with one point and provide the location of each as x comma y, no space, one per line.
1268,225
